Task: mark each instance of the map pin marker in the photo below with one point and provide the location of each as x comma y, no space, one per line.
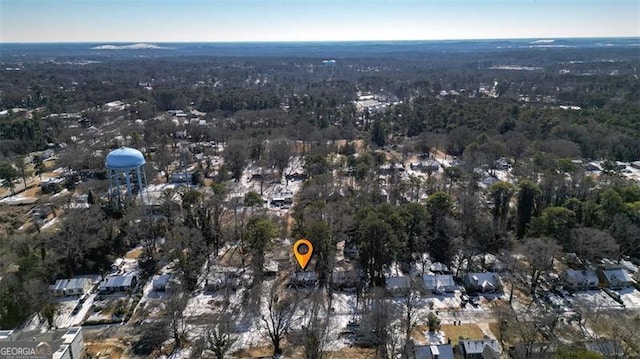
302,249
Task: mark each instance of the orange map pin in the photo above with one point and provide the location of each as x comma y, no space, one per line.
302,249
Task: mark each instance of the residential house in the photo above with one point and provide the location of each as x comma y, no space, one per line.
385,169
303,280
397,284
182,177
581,279
483,282
345,280
264,174
118,283
389,168
57,290
46,154
161,283
416,166
592,167
223,278
442,351
475,348
52,184
428,166
69,287
502,164
615,278
40,214
488,181
296,176
270,268
439,283
282,199
439,268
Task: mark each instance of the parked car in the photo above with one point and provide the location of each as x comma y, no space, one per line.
76,309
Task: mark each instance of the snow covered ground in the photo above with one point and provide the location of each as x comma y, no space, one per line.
593,298
630,297
155,191
18,199
153,301
65,307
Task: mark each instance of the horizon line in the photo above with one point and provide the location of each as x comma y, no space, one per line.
315,41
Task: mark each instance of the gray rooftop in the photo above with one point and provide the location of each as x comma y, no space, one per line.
161,280
476,346
484,278
581,276
438,280
398,282
442,351
618,274
71,284
117,281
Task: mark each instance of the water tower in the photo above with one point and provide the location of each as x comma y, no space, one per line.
125,169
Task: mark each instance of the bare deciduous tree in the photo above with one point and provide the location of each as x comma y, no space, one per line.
175,307
314,334
539,253
188,247
277,320
82,232
528,328
410,314
614,331
279,154
219,336
378,327
592,243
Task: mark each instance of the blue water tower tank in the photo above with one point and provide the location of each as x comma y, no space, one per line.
125,157
127,181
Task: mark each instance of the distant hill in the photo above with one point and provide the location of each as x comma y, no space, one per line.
130,47
334,50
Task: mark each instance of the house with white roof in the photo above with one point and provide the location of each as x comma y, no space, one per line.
483,282
439,283
282,198
425,166
581,279
69,287
118,283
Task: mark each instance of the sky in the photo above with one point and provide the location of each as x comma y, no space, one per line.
109,21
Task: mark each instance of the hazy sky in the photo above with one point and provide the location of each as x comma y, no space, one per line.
300,20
